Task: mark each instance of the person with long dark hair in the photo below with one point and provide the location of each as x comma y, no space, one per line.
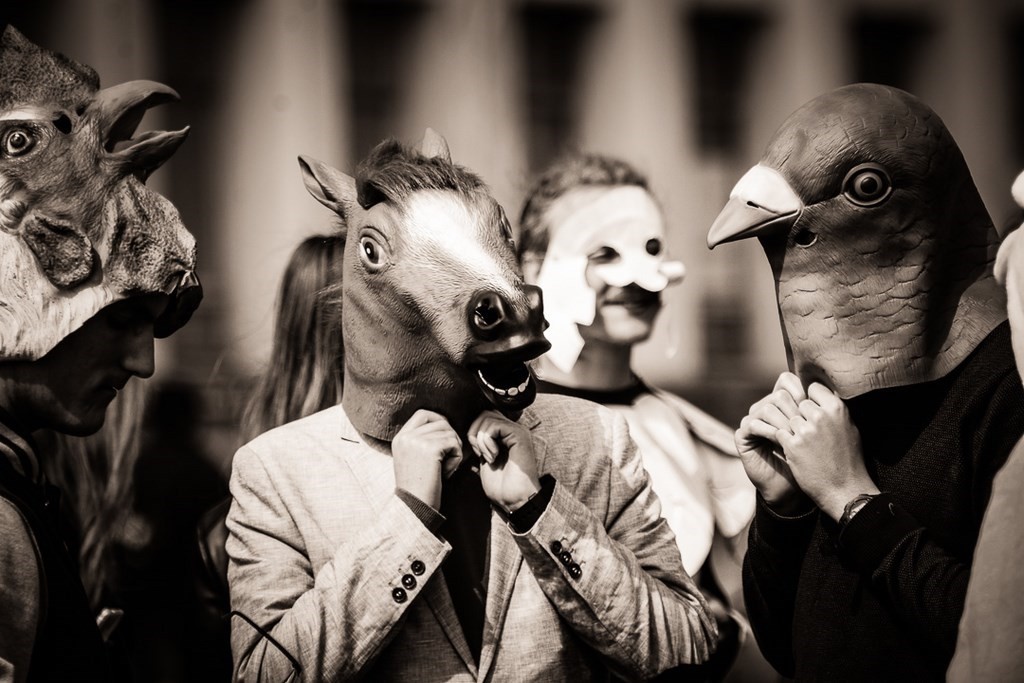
304,372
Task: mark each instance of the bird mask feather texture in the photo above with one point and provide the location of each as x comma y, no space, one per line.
880,245
79,230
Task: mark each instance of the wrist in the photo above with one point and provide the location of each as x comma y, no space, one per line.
522,496
793,504
838,504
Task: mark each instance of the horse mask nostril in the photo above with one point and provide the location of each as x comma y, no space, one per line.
487,312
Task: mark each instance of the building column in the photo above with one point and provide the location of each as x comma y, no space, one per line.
284,96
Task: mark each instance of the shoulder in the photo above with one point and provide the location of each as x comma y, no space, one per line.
584,442
704,427
299,439
295,451
990,372
15,534
573,419
19,561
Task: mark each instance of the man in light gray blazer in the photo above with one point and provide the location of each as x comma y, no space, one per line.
545,559
343,574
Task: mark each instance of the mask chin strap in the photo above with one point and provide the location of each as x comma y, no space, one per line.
185,295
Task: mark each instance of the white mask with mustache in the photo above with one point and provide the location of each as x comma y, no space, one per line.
582,222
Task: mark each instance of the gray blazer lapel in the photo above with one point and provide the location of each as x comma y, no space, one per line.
505,560
440,601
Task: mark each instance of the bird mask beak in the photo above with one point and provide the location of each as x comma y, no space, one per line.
762,203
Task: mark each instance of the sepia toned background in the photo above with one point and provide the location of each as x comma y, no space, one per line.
687,90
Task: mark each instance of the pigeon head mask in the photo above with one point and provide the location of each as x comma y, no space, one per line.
878,240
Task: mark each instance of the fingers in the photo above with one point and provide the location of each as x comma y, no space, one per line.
485,445
750,426
494,437
451,463
823,396
789,382
809,410
422,417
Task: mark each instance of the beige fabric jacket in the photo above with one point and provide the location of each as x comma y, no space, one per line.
318,543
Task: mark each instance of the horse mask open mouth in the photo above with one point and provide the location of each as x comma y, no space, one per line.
435,313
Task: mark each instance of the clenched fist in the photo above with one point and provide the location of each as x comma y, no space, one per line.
425,450
823,451
508,468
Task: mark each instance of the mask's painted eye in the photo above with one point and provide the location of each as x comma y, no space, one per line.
603,255
867,185
653,246
370,252
18,141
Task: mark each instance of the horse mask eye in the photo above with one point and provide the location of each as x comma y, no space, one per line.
370,252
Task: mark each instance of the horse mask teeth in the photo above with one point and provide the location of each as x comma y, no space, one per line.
435,313
78,228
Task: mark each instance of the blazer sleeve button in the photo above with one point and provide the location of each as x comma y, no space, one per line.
398,595
418,567
556,547
574,570
409,581
566,557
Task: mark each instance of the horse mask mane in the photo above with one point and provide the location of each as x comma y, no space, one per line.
79,230
435,313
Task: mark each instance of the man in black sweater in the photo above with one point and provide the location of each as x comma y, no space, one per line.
874,461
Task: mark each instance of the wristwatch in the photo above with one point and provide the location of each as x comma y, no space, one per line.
853,507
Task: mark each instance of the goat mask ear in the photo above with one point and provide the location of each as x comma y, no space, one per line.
434,145
329,186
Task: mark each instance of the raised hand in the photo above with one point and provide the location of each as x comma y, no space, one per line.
823,450
759,448
508,468
425,450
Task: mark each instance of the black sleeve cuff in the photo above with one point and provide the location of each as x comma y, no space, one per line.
431,518
875,531
523,519
779,531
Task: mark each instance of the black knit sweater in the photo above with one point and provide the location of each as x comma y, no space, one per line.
883,602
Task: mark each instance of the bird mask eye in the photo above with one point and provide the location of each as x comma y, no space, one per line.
867,185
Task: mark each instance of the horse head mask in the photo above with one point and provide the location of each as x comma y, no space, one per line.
435,313
78,228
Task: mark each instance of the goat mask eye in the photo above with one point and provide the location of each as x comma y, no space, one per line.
18,141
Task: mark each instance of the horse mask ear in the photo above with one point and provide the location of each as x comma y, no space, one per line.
330,187
434,145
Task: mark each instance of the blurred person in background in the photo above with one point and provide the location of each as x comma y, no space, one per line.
102,528
592,237
990,644
303,376
93,266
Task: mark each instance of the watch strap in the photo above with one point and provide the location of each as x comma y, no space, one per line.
853,507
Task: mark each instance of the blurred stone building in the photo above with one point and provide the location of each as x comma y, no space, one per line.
688,90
